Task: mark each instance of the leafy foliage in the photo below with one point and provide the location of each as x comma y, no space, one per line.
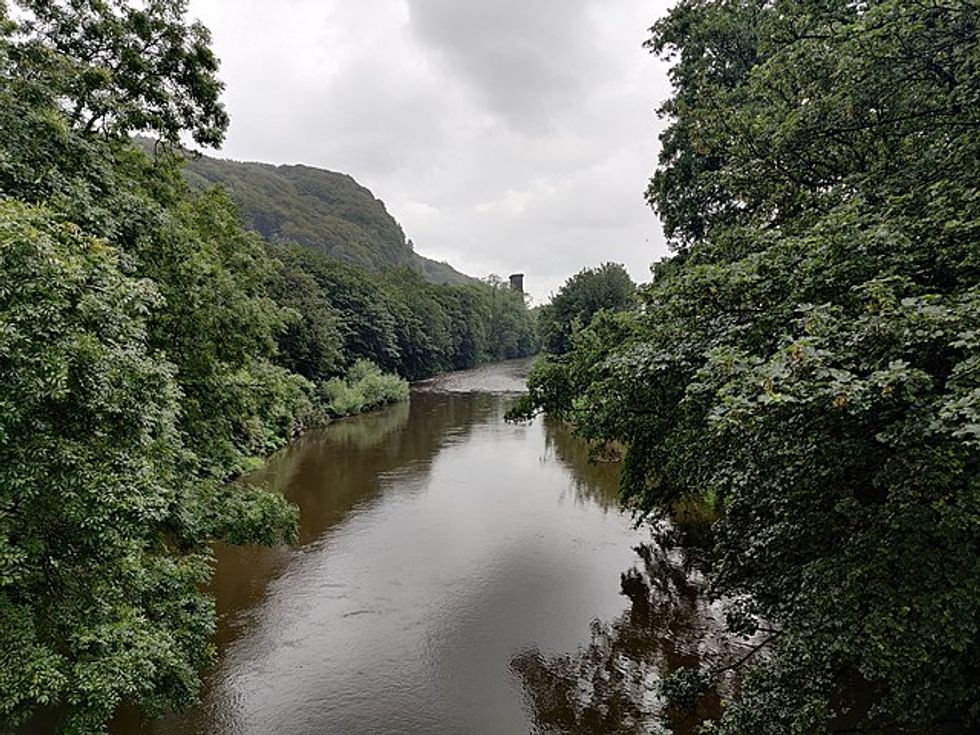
586,293
215,321
365,388
810,356
221,326
510,330
311,343
117,69
102,532
135,370
411,327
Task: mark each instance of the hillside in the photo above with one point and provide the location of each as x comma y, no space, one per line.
320,209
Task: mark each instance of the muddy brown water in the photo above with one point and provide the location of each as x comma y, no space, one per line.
449,578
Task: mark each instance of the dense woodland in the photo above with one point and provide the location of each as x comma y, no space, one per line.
808,361
394,318
152,347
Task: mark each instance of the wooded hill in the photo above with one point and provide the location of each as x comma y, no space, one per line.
321,209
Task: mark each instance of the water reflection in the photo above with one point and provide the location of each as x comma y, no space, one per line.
592,481
609,686
435,541
332,472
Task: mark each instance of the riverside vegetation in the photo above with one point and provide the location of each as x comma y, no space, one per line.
809,358
151,348
807,362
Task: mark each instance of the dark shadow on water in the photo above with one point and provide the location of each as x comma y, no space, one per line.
610,685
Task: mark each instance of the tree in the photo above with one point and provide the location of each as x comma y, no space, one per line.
311,344
216,322
586,293
511,332
103,534
411,327
366,323
809,357
117,69
136,339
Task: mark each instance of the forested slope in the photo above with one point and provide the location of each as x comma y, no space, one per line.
321,209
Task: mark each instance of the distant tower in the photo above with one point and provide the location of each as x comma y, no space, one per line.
517,282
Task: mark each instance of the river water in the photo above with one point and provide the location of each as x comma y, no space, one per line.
450,576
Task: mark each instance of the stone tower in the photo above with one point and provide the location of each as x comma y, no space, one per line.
517,282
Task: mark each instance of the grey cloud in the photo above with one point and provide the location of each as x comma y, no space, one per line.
382,122
527,60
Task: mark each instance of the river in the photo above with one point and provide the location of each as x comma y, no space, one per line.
454,574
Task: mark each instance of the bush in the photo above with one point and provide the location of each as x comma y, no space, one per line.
364,389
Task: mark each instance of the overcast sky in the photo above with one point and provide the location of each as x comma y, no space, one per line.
504,135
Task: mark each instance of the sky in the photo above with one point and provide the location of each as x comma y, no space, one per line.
504,135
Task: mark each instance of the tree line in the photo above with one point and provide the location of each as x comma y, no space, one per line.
808,359
395,318
151,348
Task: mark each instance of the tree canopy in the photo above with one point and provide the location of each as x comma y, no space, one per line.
591,290
119,69
809,356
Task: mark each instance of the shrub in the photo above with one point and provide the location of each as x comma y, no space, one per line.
364,389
